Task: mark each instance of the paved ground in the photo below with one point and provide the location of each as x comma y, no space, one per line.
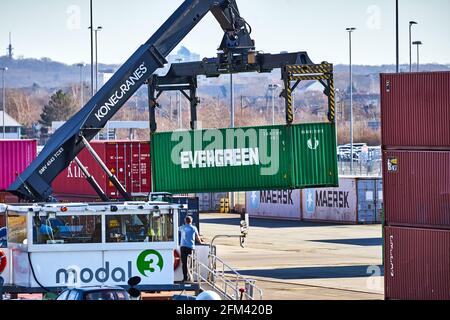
296,260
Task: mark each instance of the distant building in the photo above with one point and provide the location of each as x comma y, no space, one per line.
12,127
185,55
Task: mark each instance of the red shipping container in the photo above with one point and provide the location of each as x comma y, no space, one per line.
15,157
415,110
128,160
417,264
417,189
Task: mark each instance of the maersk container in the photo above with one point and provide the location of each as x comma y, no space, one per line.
417,189
274,204
245,159
357,200
415,110
15,157
417,264
128,160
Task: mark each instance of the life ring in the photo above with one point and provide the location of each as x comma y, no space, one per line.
176,260
2,262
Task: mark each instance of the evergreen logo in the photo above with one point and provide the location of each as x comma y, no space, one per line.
313,144
146,262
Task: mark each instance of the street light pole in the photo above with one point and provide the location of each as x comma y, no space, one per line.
232,100
411,23
92,49
397,36
350,31
180,115
81,66
4,99
418,44
100,28
273,87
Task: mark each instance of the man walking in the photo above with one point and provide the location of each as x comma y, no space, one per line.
189,235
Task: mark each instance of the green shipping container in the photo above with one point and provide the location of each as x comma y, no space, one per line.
245,159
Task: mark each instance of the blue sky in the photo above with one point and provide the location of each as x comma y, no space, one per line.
58,28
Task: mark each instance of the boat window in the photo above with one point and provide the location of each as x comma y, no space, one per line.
17,228
77,229
151,227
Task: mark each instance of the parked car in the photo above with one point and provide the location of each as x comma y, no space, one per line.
94,293
103,292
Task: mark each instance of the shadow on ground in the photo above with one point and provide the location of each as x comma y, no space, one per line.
327,272
262,223
367,242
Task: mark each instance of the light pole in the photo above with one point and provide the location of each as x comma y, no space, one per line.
100,28
273,87
232,100
418,44
81,66
180,116
411,23
3,70
397,33
92,48
232,126
350,31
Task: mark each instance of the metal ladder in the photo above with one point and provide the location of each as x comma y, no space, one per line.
223,279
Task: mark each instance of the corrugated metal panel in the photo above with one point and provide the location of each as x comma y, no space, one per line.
369,201
282,204
210,202
314,155
15,157
415,110
417,264
128,160
417,188
331,204
193,161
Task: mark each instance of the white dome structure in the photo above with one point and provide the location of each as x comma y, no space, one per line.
208,296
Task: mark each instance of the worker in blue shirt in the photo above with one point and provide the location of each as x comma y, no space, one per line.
189,235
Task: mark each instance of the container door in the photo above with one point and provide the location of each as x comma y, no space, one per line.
116,164
379,200
139,168
367,196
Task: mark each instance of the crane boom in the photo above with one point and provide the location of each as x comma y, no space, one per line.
66,143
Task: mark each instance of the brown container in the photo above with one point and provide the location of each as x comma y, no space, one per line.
417,189
417,264
415,110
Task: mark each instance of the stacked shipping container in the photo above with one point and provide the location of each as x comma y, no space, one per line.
128,160
355,201
15,157
415,111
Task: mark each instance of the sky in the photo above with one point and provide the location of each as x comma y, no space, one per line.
58,29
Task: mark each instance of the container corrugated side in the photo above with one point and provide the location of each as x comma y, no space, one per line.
314,155
128,160
415,110
15,157
331,204
417,264
417,189
279,167
369,201
279,204
169,176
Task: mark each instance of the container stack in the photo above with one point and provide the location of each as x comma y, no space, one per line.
15,157
415,111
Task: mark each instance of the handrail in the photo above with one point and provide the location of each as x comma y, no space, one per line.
233,286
